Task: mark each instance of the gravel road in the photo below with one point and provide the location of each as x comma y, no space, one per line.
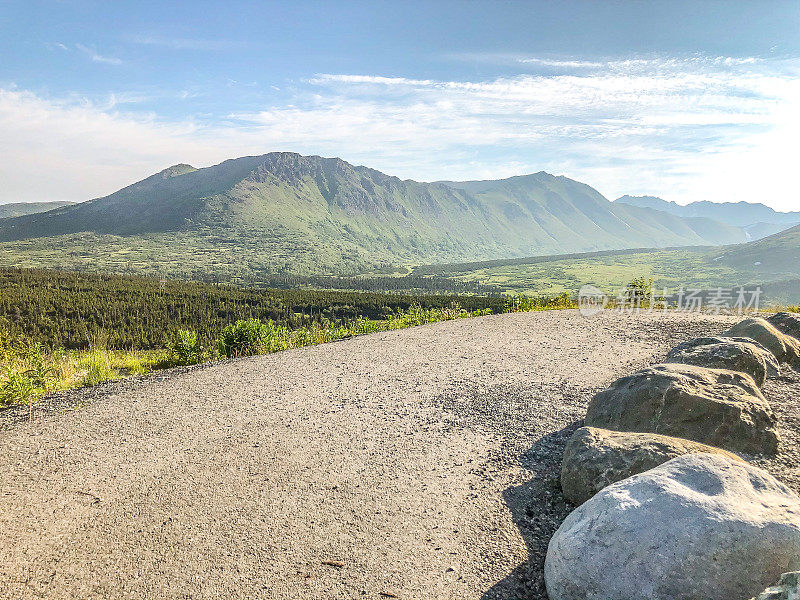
419,463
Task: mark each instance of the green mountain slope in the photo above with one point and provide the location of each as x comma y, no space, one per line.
282,212
564,208
17,209
774,256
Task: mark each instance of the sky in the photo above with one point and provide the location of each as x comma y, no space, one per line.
687,101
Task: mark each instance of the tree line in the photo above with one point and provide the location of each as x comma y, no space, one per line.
71,309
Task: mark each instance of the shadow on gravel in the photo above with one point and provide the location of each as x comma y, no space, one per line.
538,508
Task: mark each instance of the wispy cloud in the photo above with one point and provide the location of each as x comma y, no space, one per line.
97,57
562,64
687,128
185,43
579,66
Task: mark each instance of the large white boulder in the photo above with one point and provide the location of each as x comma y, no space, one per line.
700,526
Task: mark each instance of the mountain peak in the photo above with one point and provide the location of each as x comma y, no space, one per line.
175,170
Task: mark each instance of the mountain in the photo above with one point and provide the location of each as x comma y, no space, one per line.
774,256
283,212
552,208
17,209
756,219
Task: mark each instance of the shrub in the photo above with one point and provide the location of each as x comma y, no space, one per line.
249,337
563,300
18,388
523,303
639,292
39,371
185,348
27,374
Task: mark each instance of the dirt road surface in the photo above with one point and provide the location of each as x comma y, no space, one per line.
420,463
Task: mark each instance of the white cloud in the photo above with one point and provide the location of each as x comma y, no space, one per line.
185,43
98,58
562,64
688,129
76,150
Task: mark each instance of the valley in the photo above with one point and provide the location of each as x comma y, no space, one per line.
321,222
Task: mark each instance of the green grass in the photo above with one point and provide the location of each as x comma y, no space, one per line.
28,371
772,264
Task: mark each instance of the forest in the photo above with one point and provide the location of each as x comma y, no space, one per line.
71,310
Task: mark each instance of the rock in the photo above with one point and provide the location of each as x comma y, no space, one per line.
788,588
596,458
713,406
787,323
785,348
700,526
735,354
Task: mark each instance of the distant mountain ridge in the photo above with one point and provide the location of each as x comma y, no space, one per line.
559,205
314,214
18,209
756,219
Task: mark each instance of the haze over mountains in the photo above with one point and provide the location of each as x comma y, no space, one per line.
326,215
17,209
757,220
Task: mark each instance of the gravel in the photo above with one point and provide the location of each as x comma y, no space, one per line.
420,463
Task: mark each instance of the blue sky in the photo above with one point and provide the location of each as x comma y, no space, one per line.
685,100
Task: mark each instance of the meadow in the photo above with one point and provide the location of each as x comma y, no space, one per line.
610,271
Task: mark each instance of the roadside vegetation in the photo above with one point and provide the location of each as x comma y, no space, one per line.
63,330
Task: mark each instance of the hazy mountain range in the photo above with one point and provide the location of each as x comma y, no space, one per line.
756,219
17,209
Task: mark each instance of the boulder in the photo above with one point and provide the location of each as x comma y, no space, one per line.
735,354
699,526
713,406
787,323
785,348
596,458
788,588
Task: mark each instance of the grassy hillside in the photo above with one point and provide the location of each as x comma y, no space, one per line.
773,257
610,271
250,219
